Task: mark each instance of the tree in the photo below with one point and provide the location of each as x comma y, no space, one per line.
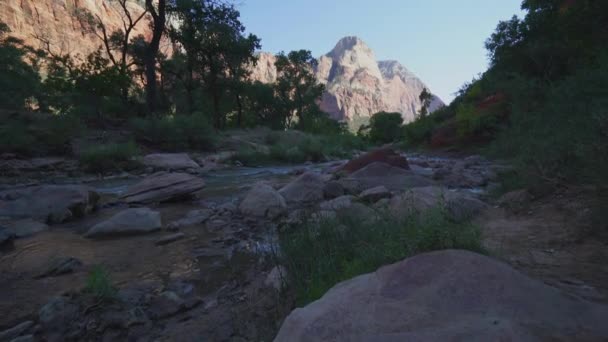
297,87
239,63
425,98
157,24
385,127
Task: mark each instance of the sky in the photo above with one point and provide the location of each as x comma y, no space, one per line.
441,41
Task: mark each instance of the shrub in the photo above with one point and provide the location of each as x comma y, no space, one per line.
385,127
99,284
110,157
319,255
173,133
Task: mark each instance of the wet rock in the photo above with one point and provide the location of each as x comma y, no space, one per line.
306,188
57,314
16,331
193,217
165,240
162,187
446,296
127,222
61,266
459,206
169,161
337,203
383,155
375,194
263,201
332,189
48,203
276,278
26,227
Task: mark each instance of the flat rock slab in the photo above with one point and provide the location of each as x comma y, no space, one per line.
48,203
382,174
163,187
169,161
127,222
446,296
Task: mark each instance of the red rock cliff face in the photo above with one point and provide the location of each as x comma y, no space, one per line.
358,85
55,21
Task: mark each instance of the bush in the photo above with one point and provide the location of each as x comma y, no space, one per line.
174,133
110,157
319,255
99,284
385,127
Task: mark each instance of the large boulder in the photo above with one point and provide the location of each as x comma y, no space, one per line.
127,222
446,296
337,203
383,155
163,187
383,174
459,206
306,188
169,161
263,201
375,194
48,203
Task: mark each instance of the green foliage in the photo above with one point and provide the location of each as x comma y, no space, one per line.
110,157
99,284
177,132
319,255
385,127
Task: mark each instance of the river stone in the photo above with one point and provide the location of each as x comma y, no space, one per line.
337,203
127,222
169,161
460,207
382,174
48,203
57,313
332,189
446,296
6,237
193,217
383,155
16,331
162,187
60,266
26,227
262,200
276,278
306,188
375,194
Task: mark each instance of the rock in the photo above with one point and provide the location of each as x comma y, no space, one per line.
332,189
6,237
373,195
163,187
170,303
357,213
127,222
337,203
25,338
460,207
16,331
169,239
276,278
515,199
61,266
263,201
193,217
446,296
57,314
169,161
26,227
382,174
48,203
383,155
307,188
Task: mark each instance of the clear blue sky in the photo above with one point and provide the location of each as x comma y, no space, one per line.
442,41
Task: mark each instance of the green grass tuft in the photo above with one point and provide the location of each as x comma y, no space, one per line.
99,284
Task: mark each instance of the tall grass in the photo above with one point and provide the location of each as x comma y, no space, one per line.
319,255
110,157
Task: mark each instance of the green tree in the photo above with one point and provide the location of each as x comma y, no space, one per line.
385,127
425,98
297,88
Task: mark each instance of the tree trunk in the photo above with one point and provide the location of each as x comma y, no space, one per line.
239,108
151,54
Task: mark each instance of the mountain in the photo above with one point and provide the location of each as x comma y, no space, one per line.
357,85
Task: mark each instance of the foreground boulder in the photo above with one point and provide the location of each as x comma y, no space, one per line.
48,203
446,296
169,161
162,187
263,201
306,188
127,222
458,206
383,174
383,155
